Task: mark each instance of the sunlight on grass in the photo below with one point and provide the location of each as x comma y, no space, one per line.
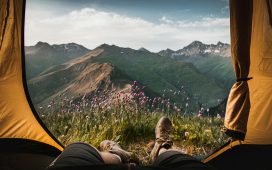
130,119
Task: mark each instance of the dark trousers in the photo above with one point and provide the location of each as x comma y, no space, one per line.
83,156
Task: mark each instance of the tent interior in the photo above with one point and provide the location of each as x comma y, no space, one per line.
26,143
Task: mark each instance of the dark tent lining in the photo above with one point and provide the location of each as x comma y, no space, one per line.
236,155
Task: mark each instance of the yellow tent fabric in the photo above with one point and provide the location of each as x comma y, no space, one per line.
16,117
249,108
260,87
238,102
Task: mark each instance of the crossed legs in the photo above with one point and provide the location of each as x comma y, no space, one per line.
163,155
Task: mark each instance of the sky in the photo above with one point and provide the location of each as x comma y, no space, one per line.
152,24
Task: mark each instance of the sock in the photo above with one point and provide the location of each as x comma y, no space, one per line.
118,157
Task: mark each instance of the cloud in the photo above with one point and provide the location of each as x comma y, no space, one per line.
165,20
91,27
225,9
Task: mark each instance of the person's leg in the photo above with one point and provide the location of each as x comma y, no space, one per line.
82,154
113,148
163,140
174,159
110,158
164,155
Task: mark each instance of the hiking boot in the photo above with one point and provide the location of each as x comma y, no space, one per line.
114,148
162,132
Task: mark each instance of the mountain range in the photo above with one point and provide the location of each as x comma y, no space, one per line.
213,60
42,56
198,49
72,70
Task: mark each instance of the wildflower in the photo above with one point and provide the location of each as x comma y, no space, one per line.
186,134
83,97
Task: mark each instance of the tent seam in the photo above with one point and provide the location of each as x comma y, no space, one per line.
4,25
269,6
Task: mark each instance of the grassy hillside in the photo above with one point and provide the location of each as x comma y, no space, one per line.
119,94
131,122
164,75
42,56
135,131
180,82
213,60
216,67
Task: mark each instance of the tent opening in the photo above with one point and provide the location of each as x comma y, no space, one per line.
103,70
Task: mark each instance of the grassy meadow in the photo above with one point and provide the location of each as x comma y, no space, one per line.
130,119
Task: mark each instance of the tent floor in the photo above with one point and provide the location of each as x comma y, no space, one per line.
24,161
241,156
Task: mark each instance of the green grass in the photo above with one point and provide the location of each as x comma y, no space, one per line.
130,120
197,136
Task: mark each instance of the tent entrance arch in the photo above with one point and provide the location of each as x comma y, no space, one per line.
23,135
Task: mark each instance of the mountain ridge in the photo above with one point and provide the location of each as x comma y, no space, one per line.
197,48
213,60
55,54
161,75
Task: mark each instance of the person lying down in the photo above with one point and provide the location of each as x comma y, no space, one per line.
111,156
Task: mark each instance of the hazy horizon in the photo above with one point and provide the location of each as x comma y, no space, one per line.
119,46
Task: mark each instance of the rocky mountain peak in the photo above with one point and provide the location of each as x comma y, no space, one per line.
199,49
143,49
195,44
42,44
103,46
220,44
